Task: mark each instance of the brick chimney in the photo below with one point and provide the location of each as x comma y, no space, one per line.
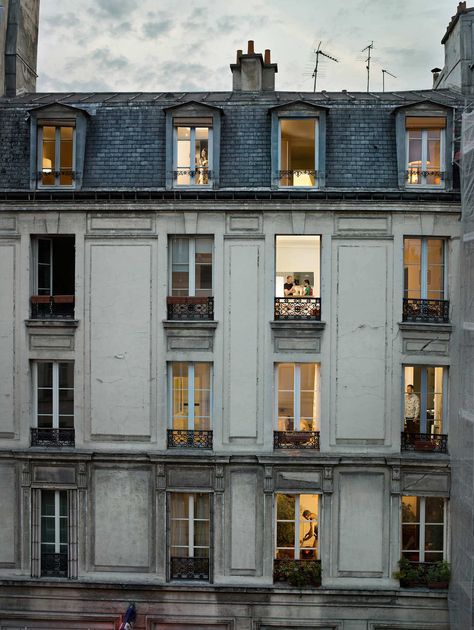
253,72
458,44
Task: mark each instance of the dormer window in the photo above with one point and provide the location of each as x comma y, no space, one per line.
193,152
425,138
56,154
298,155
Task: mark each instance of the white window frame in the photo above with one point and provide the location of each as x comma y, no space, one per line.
191,392
424,155
296,388
190,520
422,525
316,152
57,153
192,149
57,520
191,262
55,388
297,547
36,265
424,264
424,394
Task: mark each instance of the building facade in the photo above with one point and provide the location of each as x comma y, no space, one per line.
229,357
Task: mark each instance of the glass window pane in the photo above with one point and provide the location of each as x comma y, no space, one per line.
434,510
434,535
48,162
285,535
410,537
412,268
415,165
410,509
66,375
47,503
66,156
179,533
63,531
285,506
180,395
201,506
202,155
435,272
45,421
45,374
180,266
44,251
48,530
309,503
308,534
201,533
203,266
179,505
183,156
297,152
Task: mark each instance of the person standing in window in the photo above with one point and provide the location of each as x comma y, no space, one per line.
412,411
289,287
312,534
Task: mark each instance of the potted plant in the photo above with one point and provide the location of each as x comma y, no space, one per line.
298,572
409,574
438,575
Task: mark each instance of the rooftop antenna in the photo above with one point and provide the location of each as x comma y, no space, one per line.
384,72
318,52
369,50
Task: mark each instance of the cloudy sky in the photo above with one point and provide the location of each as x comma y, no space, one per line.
170,45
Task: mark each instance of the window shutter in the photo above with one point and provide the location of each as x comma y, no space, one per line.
192,121
425,122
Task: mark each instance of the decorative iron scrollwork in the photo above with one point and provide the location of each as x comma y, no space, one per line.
297,308
52,306
430,311
54,565
189,568
179,438
52,437
190,308
296,439
427,442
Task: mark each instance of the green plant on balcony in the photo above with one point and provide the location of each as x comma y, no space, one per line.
438,575
409,573
298,572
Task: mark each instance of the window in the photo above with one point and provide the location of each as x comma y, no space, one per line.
297,277
53,277
424,388
53,403
54,533
424,528
193,153
191,266
189,531
297,531
425,138
190,395
298,399
424,280
298,157
56,154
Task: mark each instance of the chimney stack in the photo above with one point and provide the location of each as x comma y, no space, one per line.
458,52
436,72
252,72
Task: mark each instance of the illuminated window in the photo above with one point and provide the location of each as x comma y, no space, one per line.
190,396
424,529
298,158
424,268
191,266
189,537
193,153
297,526
425,138
424,393
298,396
297,266
56,155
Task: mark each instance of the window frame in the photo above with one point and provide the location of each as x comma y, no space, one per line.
55,393
424,153
57,519
191,395
423,394
191,262
297,403
422,525
192,149
315,120
56,169
424,265
296,522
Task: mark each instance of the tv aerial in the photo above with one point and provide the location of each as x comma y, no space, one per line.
384,72
369,49
318,52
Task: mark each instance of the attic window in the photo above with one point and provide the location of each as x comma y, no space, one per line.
298,158
56,153
425,150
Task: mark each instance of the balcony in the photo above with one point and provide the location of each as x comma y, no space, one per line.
428,311
296,440
298,309
297,572
189,568
180,438
52,437
54,565
52,306
190,308
424,442
298,177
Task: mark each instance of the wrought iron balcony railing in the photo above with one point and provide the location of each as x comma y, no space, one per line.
54,565
426,442
430,177
429,311
190,308
52,306
287,177
296,439
298,308
52,437
189,568
180,438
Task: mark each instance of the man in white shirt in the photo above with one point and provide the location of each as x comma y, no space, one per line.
412,411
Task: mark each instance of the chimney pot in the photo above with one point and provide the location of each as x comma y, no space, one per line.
461,7
239,55
267,56
250,47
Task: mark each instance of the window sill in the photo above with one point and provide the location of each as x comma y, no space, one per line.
426,326
301,324
52,323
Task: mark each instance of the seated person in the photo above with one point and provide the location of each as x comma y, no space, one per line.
298,290
308,289
289,287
